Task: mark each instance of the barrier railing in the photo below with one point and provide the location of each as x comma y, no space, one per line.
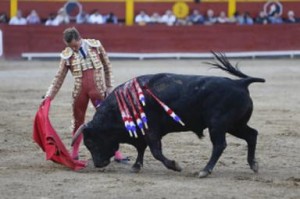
1,43
143,56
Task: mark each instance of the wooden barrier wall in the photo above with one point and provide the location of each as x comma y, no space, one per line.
156,38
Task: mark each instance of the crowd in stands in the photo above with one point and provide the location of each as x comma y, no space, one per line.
61,17
210,18
142,18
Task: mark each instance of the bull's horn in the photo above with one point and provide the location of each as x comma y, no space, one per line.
78,132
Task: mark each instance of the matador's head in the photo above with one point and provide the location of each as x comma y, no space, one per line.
72,38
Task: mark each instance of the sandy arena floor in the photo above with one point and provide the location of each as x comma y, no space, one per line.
24,172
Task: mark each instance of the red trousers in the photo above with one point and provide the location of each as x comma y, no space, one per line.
88,91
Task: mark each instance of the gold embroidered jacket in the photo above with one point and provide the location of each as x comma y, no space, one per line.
97,59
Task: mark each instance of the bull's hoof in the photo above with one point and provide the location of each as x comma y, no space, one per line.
177,167
136,168
204,174
173,165
254,167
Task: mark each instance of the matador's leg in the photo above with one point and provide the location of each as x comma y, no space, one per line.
79,109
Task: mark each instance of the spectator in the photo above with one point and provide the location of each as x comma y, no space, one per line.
291,17
168,18
142,18
111,18
262,18
222,18
195,18
33,18
62,17
3,18
210,17
181,22
51,21
276,18
18,20
96,18
247,19
155,18
82,18
274,8
236,18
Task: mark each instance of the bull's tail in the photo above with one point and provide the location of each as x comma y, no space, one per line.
250,80
224,64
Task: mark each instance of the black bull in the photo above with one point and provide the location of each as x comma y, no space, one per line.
220,104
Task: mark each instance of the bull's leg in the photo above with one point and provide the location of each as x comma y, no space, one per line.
140,158
156,150
250,135
219,144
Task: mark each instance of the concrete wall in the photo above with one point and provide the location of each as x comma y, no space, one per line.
156,38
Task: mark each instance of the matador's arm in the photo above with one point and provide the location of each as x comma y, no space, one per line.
58,80
107,67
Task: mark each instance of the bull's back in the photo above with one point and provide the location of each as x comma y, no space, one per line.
186,90
194,98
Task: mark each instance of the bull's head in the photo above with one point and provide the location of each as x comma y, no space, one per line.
100,145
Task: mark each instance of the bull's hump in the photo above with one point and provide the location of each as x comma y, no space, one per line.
166,81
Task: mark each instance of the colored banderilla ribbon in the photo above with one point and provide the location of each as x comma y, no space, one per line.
123,114
130,120
139,92
133,92
135,114
169,111
140,108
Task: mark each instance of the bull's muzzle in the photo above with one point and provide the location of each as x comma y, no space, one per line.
101,163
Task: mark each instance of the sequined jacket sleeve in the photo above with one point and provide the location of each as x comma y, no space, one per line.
58,80
107,67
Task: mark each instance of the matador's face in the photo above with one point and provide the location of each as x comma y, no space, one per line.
75,44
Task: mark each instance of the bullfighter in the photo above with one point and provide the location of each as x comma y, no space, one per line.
92,71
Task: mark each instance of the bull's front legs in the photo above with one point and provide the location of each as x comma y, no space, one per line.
219,144
156,150
140,158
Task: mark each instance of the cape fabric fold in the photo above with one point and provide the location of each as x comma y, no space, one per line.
46,137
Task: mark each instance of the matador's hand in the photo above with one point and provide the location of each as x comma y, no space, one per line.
44,100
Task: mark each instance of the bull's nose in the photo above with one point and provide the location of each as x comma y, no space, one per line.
101,164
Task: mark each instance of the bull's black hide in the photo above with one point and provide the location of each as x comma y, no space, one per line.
220,104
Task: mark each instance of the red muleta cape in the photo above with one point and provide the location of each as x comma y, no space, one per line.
46,137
